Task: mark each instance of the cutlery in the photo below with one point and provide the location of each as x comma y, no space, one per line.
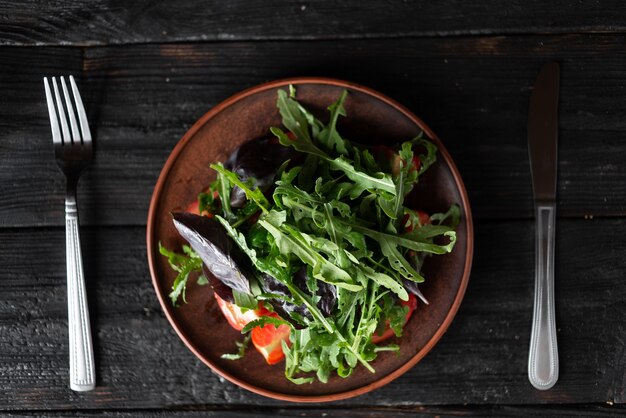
73,152
543,358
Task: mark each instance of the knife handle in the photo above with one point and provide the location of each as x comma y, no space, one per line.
543,358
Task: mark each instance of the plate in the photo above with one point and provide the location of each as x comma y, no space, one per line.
372,118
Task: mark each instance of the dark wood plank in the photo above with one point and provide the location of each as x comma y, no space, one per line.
114,22
512,411
141,363
473,92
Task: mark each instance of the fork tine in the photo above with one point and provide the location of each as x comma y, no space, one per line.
80,109
54,122
70,113
66,132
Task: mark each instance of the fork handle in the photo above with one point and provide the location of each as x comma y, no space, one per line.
543,357
82,372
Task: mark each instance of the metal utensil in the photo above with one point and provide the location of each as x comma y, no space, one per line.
543,358
73,152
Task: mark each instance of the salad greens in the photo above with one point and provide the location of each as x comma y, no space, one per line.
334,248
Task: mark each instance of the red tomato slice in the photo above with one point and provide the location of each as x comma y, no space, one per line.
268,339
194,207
233,314
388,332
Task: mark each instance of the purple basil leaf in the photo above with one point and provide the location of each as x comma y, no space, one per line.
220,289
326,292
282,307
258,159
328,297
411,287
221,256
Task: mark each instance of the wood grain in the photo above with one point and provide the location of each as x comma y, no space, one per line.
512,411
116,22
148,70
473,92
141,363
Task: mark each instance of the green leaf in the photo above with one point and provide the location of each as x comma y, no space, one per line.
430,157
239,239
302,144
390,347
385,281
301,380
184,264
399,263
297,245
453,214
255,195
334,231
276,217
394,314
329,135
263,321
241,352
389,204
224,193
380,181
244,300
407,242
293,117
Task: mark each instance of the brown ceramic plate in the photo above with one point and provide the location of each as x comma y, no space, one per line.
372,118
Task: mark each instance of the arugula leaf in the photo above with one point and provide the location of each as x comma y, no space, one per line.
244,300
399,263
242,348
380,181
407,242
293,117
334,230
262,321
292,243
224,193
329,135
394,314
454,214
255,195
184,264
302,144
429,158
385,281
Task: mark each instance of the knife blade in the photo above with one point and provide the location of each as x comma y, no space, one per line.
542,132
543,360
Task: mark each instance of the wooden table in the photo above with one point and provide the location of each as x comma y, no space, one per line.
148,70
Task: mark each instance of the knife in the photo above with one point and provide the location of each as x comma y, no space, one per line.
543,358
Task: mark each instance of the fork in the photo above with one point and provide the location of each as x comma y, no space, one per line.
73,152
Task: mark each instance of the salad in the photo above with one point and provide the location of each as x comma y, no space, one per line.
308,246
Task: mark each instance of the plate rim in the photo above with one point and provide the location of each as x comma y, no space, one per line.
168,310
